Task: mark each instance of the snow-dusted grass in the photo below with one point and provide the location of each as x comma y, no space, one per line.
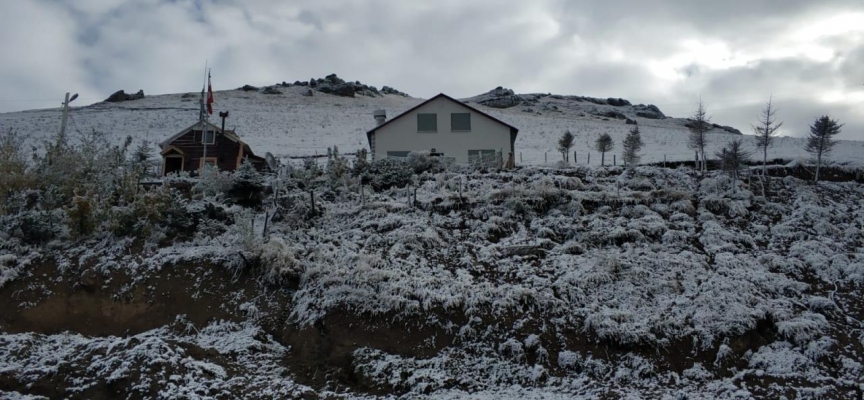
548,283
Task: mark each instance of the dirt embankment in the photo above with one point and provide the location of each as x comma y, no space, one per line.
97,305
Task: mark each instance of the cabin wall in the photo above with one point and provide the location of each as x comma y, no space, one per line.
225,150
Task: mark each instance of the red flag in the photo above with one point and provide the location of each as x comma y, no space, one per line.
209,96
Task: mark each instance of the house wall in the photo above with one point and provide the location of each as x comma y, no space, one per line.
402,134
225,150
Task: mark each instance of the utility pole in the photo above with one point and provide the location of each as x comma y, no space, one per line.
66,102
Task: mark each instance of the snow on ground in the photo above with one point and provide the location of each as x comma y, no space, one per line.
293,124
660,285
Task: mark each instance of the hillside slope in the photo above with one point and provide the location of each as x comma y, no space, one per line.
538,283
288,123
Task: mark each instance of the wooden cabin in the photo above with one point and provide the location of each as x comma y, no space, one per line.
185,150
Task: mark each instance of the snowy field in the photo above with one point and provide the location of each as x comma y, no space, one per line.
290,124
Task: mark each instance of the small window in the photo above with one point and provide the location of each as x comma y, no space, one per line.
460,122
209,161
209,137
427,122
397,154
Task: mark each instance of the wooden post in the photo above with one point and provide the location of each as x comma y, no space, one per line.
575,158
589,158
614,160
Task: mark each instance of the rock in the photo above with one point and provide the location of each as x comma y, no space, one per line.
344,90
307,92
630,122
120,95
298,83
285,84
334,80
619,102
728,129
499,98
249,88
187,95
650,111
271,90
312,83
390,90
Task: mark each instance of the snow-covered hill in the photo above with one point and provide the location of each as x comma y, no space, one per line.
290,123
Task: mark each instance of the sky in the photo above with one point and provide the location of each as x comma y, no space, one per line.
807,55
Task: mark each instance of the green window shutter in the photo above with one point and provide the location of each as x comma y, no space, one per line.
460,121
427,122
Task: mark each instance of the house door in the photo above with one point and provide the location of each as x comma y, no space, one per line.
173,164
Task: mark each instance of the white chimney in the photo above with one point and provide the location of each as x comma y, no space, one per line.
380,116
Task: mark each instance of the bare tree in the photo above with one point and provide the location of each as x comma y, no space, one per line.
733,158
604,143
765,131
632,145
699,127
565,143
820,142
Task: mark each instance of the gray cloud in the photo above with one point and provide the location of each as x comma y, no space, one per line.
734,53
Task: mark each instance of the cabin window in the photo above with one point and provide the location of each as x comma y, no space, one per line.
460,122
398,154
209,137
210,161
427,122
484,157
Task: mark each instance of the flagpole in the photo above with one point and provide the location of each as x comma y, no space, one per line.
203,121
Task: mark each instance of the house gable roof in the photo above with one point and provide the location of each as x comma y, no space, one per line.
228,134
371,131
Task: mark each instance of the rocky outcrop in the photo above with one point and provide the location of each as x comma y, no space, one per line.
249,88
390,90
120,95
728,129
271,90
499,97
332,84
650,111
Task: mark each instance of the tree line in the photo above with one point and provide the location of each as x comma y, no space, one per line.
734,156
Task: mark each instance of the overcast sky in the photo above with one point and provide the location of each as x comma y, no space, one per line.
735,53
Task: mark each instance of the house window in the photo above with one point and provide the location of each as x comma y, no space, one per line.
460,122
482,157
209,137
209,161
427,122
398,154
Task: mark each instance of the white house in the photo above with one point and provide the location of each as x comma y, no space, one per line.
445,126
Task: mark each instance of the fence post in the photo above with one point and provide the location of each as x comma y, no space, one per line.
575,158
614,160
589,159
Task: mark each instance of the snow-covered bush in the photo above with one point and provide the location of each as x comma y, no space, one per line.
387,173
7,271
421,162
247,186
